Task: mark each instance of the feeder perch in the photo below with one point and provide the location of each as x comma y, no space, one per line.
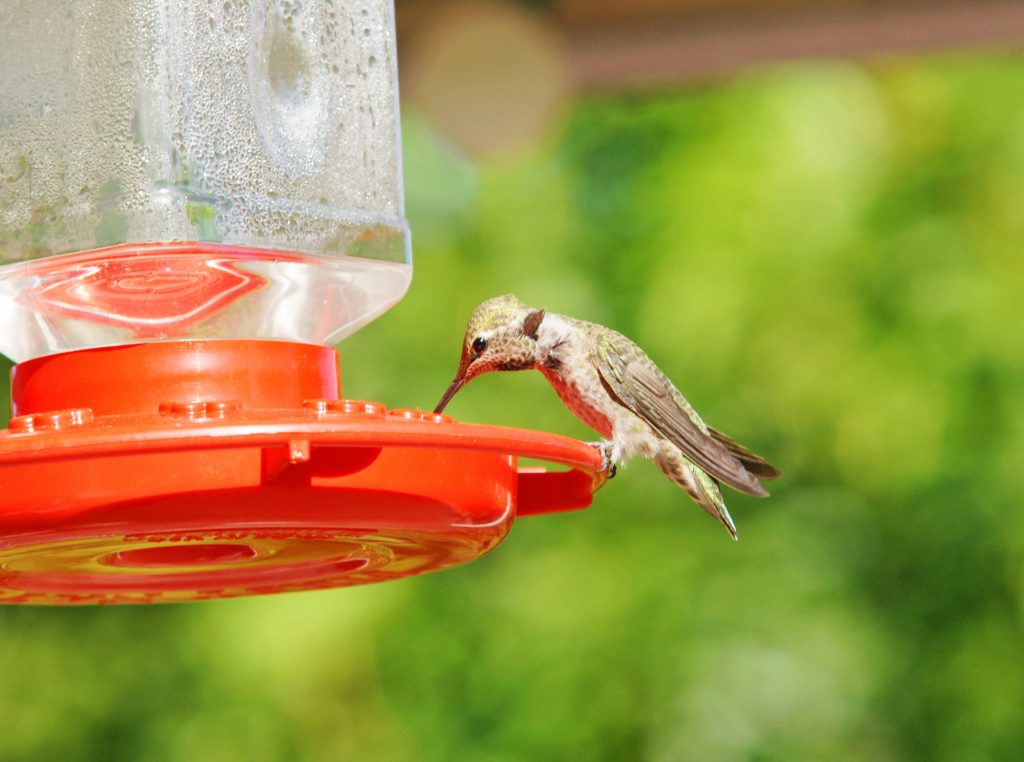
193,207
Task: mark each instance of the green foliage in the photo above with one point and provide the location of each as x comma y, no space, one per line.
827,259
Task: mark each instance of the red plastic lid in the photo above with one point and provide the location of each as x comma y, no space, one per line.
210,469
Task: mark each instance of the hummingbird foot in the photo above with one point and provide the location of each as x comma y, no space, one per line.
608,456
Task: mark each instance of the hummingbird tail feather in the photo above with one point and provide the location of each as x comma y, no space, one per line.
698,485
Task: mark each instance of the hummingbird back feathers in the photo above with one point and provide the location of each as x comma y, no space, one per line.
612,385
637,384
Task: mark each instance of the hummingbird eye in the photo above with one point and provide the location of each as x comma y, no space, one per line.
479,345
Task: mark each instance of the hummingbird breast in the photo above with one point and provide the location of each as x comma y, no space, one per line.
561,357
581,396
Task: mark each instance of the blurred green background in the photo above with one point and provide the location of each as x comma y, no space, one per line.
826,258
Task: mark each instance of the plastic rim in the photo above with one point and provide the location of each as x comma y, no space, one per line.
209,469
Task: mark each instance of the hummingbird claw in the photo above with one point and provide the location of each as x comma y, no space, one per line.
607,449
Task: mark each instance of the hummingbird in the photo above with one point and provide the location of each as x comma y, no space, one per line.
611,385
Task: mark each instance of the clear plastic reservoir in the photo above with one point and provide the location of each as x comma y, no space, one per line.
187,168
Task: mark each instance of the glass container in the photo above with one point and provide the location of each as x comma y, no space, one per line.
175,169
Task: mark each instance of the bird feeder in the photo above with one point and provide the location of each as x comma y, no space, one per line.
197,199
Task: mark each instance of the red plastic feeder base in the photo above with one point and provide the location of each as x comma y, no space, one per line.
191,470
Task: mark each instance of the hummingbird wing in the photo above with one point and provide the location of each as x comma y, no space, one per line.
751,461
636,383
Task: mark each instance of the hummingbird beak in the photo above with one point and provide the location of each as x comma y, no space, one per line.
457,384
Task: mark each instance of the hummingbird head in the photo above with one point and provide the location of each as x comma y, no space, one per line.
501,335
